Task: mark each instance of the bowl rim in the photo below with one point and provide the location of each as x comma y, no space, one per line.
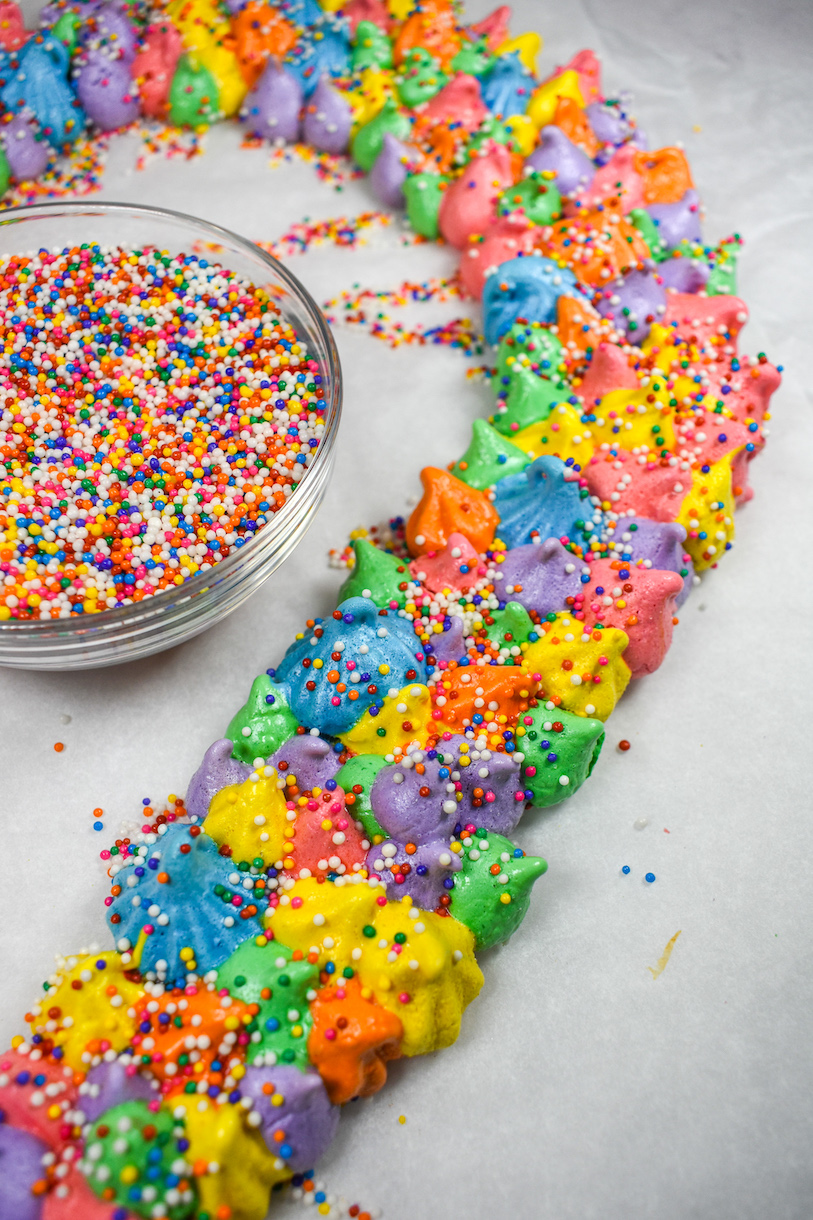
201,581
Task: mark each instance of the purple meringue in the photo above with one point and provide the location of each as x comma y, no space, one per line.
661,542
684,274
20,1166
429,866
311,759
217,770
328,119
26,155
51,13
678,222
109,31
389,172
306,1115
634,302
408,817
574,170
450,646
107,92
109,1084
608,123
272,109
546,573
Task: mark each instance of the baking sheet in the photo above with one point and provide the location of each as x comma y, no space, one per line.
581,1087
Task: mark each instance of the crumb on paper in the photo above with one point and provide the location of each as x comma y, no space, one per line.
663,960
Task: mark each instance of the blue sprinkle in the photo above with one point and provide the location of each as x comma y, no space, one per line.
625,870
650,877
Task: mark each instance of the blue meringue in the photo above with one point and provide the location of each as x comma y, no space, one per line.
185,910
526,287
506,86
540,501
378,653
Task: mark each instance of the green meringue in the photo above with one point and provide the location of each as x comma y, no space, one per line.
376,575
479,895
488,458
421,78
560,751
530,399
372,49
536,196
369,139
268,719
360,771
284,1020
423,193
194,98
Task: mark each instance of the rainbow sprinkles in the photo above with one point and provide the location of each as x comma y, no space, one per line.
315,906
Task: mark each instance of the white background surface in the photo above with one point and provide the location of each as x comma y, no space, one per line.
580,1088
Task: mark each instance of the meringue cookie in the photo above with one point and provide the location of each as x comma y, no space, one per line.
272,110
638,601
469,204
480,893
540,576
634,303
456,566
523,287
217,770
502,241
328,119
506,85
27,151
106,90
109,1084
389,172
377,649
539,501
20,1167
572,169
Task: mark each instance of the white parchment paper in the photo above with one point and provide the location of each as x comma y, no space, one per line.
581,1088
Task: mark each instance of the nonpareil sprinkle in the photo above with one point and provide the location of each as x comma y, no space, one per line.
155,412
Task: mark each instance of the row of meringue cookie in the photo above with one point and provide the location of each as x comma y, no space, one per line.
390,808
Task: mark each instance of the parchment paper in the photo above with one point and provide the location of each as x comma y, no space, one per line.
581,1088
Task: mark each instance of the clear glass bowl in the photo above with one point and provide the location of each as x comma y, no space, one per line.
161,621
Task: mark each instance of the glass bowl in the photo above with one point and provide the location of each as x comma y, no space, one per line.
167,618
